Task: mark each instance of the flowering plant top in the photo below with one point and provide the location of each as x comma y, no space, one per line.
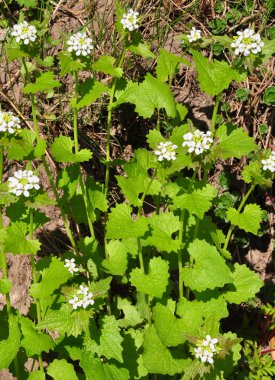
22,182
80,44
130,20
247,42
9,123
24,32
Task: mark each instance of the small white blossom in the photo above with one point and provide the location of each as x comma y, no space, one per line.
269,163
71,266
80,44
22,182
24,32
82,298
8,122
130,20
247,42
206,349
166,150
198,141
195,34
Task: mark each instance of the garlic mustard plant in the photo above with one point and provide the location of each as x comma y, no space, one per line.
22,182
269,163
71,266
166,150
206,349
130,20
80,44
247,42
195,34
82,298
24,32
197,142
9,123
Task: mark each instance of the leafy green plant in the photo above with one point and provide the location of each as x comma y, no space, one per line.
137,294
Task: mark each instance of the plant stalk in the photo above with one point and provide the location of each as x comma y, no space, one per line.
87,203
215,111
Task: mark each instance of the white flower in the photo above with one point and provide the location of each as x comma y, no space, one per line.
22,182
70,264
195,34
24,32
206,349
247,42
198,141
80,44
166,150
130,20
8,122
269,163
82,298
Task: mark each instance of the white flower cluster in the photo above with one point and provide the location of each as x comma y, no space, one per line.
269,163
130,20
23,181
206,349
8,122
80,44
82,298
24,32
198,141
195,34
71,266
247,42
166,150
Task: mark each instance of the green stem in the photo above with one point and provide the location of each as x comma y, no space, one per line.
34,277
88,206
215,111
229,233
181,236
109,122
34,117
63,214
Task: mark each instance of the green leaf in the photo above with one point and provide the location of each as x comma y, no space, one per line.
198,202
139,47
46,62
10,346
233,143
163,227
120,225
39,200
65,321
132,316
209,270
134,186
252,173
105,64
214,77
61,369
103,371
116,263
109,339
97,198
68,64
62,151
248,220
36,375
168,65
246,284
89,91
147,96
15,240
50,281
44,82
27,3
67,180
155,282
5,285
159,359
34,342
23,147
101,287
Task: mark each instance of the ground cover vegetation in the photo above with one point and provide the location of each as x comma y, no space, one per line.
153,201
